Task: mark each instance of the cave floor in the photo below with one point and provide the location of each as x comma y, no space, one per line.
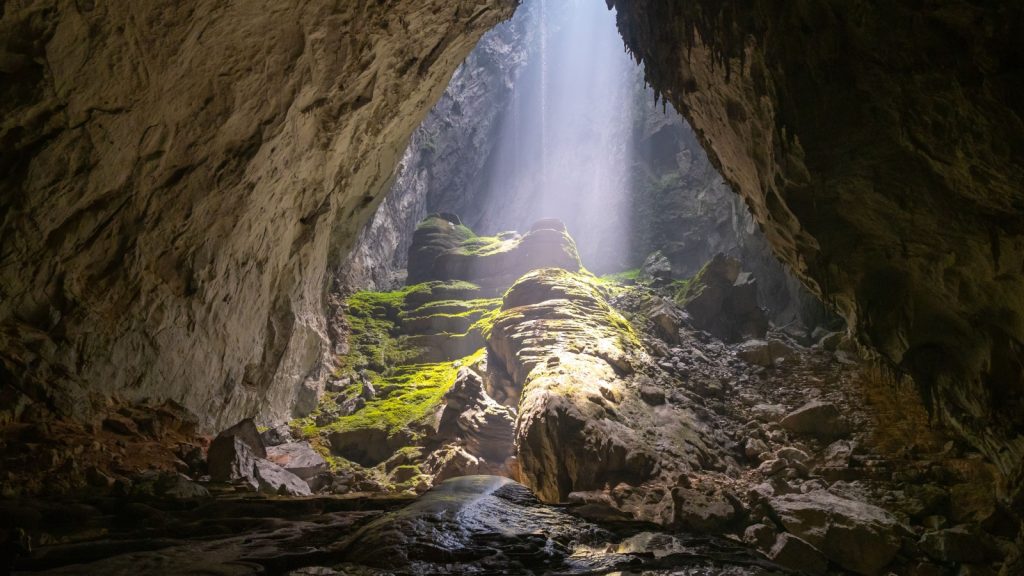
889,459
232,535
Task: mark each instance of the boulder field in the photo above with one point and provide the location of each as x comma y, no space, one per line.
575,424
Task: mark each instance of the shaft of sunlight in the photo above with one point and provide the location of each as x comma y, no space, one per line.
565,143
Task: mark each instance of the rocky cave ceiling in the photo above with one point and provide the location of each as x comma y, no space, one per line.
177,180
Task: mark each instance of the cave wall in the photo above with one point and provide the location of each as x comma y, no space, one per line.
177,179
878,145
444,165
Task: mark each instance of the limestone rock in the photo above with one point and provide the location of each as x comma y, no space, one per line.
185,254
856,535
797,554
834,218
233,460
485,426
277,435
763,353
762,536
818,419
703,511
271,478
583,422
960,544
231,452
299,458
657,267
444,250
723,301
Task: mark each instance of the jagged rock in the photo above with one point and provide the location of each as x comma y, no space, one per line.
768,412
830,216
763,353
277,435
760,535
960,544
818,419
232,460
856,535
754,447
703,511
656,267
226,458
180,487
299,458
796,554
271,478
723,301
451,462
486,427
667,321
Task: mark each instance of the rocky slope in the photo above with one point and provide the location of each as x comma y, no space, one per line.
668,448
877,146
178,180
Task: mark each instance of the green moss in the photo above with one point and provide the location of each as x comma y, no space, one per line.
409,395
485,246
623,278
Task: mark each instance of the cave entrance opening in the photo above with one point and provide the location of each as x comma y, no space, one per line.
550,221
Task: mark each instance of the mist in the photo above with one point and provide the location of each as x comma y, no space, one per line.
564,145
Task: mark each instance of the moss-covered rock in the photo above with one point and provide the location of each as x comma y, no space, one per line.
575,368
445,250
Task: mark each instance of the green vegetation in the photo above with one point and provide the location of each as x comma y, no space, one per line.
624,278
409,395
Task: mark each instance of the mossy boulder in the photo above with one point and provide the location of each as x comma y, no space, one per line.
577,367
444,250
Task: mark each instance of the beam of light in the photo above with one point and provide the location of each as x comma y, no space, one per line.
565,143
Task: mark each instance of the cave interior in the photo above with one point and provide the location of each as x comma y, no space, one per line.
512,287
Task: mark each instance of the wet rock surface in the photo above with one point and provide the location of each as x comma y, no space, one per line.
470,525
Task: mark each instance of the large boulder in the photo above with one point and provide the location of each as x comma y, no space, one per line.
272,479
858,536
722,299
231,452
818,419
443,249
797,554
299,458
583,422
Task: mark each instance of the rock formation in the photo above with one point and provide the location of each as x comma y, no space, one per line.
179,180
878,147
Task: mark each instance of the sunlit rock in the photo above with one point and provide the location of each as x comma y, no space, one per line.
582,422
443,249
